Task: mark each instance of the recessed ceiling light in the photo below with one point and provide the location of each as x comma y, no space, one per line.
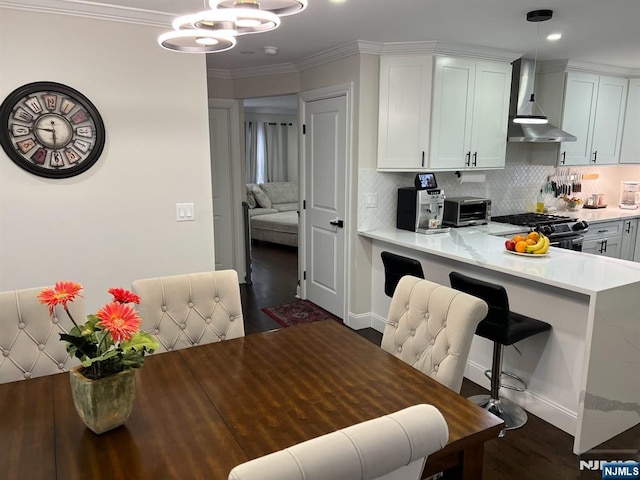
338,1
554,36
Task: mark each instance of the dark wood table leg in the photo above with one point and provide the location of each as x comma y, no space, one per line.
470,465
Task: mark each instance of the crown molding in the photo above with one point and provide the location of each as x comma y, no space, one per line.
339,52
218,73
93,10
438,47
278,69
566,65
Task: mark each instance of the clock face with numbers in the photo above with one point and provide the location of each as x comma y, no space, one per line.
51,130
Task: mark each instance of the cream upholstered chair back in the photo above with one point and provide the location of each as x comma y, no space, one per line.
192,309
393,447
30,344
431,326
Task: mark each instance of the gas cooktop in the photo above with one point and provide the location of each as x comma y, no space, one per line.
554,226
532,219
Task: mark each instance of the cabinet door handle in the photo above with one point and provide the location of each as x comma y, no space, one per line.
564,155
595,156
603,231
629,227
423,158
475,159
604,243
467,162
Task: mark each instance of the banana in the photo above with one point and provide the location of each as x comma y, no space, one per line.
537,246
544,249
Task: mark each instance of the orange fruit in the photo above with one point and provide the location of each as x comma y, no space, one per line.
530,241
535,236
521,246
518,238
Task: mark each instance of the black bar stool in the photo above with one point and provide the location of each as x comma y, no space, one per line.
396,267
503,327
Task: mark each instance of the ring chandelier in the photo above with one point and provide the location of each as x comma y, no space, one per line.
215,30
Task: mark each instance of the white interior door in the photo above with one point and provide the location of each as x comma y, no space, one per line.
325,195
226,185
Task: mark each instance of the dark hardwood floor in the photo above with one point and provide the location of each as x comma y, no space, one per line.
536,451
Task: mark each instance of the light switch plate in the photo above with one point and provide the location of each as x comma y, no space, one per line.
371,200
185,212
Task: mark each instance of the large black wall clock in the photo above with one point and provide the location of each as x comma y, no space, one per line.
51,130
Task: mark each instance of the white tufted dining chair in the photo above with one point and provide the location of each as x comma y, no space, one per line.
186,310
431,326
393,447
30,343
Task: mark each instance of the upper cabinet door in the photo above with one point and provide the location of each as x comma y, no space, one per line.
470,114
490,114
452,114
404,112
607,130
630,152
594,108
578,116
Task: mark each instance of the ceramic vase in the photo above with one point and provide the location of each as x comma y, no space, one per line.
106,403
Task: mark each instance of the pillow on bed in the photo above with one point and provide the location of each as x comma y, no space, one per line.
261,197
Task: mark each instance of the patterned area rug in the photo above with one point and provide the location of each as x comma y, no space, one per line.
300,311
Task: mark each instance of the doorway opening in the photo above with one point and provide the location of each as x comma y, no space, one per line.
271,166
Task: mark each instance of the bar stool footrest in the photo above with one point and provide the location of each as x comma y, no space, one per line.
511,377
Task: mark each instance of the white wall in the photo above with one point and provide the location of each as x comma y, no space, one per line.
115,222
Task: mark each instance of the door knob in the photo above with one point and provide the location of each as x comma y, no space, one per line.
337,223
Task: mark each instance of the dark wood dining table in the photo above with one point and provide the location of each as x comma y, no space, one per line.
202,410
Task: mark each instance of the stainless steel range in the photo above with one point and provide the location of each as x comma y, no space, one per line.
563,231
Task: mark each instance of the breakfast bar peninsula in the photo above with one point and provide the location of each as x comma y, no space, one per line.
583,375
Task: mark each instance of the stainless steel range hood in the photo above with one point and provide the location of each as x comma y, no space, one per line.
522,83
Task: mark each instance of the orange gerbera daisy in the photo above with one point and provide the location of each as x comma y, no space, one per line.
121,295
60,294
120,320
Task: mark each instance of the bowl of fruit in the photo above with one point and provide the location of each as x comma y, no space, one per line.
572,204
533,244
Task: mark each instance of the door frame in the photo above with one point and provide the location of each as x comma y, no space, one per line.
333,91
236,185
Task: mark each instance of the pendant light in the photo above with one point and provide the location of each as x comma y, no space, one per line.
535,16
215,29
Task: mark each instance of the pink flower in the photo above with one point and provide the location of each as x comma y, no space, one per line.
60,294
121,295
120,320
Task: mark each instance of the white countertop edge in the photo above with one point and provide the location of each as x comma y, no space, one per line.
619,272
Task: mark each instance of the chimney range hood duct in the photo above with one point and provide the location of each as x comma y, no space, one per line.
522,83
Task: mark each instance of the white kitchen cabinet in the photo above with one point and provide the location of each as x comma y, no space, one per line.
470,108
593,111
604,238
404,112
636,249
630,151
442,113
629,233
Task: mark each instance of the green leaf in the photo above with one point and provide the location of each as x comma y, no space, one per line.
140,342
105,356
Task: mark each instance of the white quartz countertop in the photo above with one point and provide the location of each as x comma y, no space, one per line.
575,271
601,214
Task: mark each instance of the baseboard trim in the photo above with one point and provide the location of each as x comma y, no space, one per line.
542,407
358,321
378,323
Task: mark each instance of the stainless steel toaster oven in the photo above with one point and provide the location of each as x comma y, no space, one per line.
465,211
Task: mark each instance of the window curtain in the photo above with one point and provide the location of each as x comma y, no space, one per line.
267,151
